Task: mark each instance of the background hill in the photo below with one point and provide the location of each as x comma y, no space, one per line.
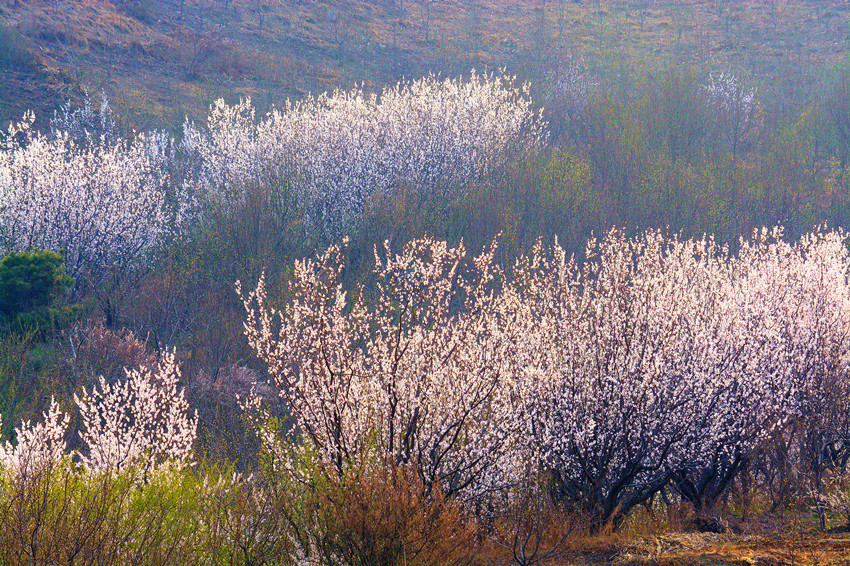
160,60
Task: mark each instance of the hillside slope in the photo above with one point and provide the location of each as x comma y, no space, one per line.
161,60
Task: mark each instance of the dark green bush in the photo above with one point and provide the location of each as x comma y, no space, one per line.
32,285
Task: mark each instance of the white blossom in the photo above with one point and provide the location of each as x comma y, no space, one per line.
343,149
417,374
661,359
735,109
103,203
38,444
143,420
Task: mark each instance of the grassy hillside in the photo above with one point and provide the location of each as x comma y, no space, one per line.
159,61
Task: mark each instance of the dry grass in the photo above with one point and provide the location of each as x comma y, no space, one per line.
803,548
713,549
665,536
312,46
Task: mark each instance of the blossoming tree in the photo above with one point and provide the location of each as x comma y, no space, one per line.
417,372
346,148
142,422
103,203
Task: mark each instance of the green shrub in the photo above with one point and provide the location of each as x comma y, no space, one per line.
62,513
31,286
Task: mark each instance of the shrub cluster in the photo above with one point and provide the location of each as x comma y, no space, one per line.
101,202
